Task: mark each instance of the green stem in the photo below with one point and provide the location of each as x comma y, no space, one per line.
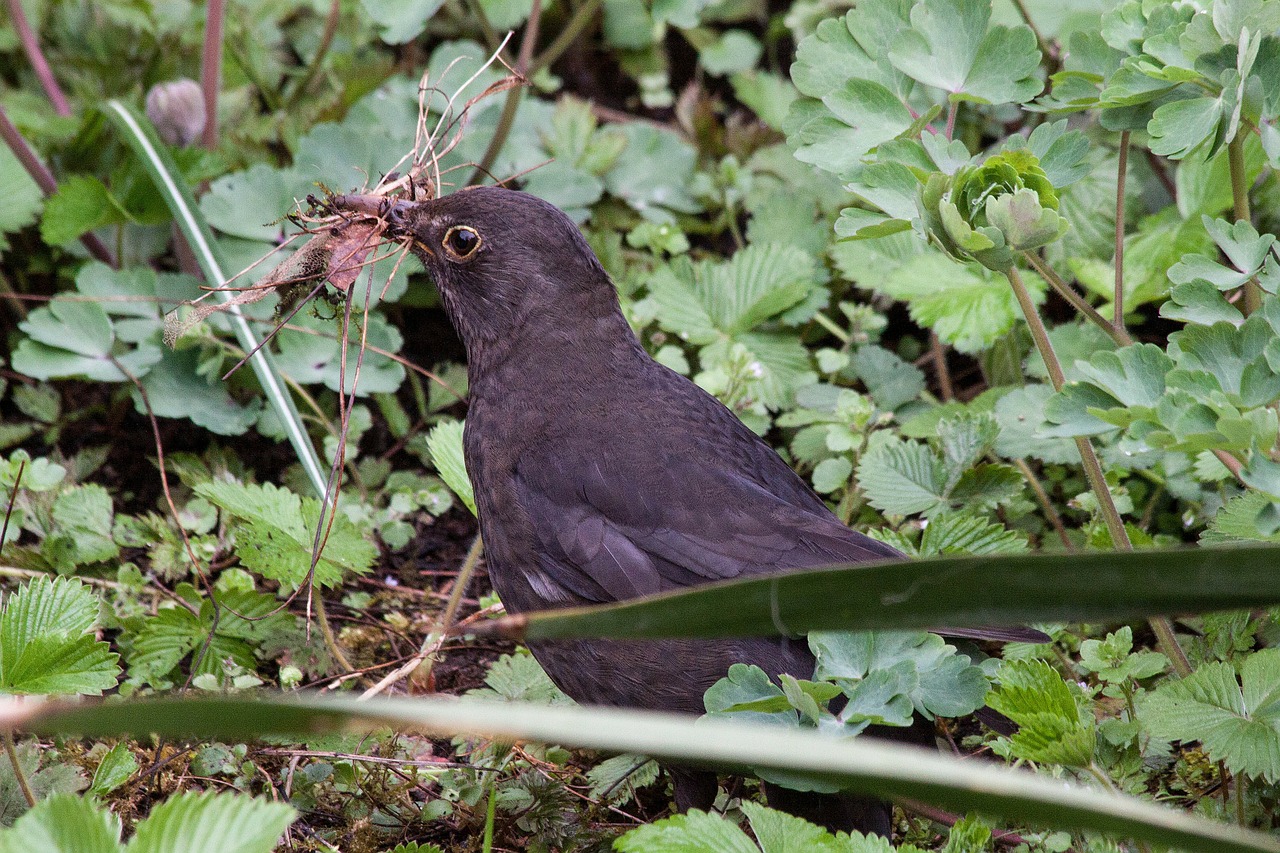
1162,627
1240,209
827,323
512,102
326,631
1046,504
490,814
1121,172
12,751
582,16
1067,292
1240,782
313,68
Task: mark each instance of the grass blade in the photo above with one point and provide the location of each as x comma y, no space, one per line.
140,136
884,769
1103,586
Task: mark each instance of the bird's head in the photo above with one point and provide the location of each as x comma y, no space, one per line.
503,260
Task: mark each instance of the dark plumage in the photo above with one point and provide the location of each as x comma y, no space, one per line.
602,475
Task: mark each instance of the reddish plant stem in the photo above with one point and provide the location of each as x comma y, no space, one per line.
1121,171
211,70
45,180
31,45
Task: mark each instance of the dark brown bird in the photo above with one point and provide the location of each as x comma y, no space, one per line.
601,475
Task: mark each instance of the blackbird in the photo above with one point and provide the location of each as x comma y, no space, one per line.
601,475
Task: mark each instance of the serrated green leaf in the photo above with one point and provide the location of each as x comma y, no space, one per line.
903,478
445,445
46,644
63,823
519,678
275,532
196,822
692,832
967,305
114,770
1237,722
1053,725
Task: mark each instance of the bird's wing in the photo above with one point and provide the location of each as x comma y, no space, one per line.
607,537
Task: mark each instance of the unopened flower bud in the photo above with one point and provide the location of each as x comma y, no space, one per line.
176,109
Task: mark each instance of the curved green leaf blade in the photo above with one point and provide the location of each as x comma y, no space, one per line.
137,132
881,768
1009,589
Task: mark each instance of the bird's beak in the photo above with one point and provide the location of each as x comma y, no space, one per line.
398,217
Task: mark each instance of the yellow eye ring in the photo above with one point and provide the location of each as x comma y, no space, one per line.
461,242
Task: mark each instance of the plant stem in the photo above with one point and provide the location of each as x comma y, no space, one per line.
1067,292
952,111
1239,779
490,814
1240,209
31,46
939,353
211,70
45,180
1121,172
326,631
512,102
12,751
313,68
568,35
1043,43
460,584
1162,627
1042,498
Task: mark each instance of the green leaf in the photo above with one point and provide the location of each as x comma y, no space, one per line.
46,641
114,770
692,832
654,172
957,533
938,682
81,204
852,47
445,445
195,822
55,777
275,532
830,475
837,132
903,478
314,357
949,46
1179,128
154,157
176,388
83,518
519,678
967,305
1054,724
1237,722
22,195
877,768
733,51
63,823
400,22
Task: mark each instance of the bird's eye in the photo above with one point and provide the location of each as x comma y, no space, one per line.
461,241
